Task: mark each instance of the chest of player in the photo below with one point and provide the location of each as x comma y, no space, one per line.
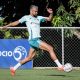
33,21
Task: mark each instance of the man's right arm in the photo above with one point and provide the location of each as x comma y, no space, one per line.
12,24
15,23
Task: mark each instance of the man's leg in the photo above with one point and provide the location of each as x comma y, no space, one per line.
28,58
49,48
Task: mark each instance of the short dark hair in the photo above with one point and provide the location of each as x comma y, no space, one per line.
33,6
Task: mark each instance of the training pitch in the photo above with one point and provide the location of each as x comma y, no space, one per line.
39,74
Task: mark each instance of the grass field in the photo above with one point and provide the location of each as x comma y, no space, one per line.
39,74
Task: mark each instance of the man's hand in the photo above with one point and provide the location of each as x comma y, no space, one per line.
49,10
10,25
4,28
50,17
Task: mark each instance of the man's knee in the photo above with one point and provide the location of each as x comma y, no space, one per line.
29,58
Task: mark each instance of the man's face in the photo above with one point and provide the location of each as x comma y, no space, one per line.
34,11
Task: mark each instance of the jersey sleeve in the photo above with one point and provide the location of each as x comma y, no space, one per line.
41,18
23,19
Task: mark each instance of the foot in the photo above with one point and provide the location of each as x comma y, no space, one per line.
12,71
61,68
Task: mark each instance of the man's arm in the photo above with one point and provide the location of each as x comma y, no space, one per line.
15,23
50,17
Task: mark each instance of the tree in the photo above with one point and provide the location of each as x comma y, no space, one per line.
64,18
66,14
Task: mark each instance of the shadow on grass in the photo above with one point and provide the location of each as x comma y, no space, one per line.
58,75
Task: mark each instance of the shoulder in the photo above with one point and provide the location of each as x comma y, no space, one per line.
40,17
26,16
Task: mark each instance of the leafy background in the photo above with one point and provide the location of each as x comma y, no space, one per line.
66,14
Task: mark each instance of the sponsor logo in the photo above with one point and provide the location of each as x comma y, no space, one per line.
18,53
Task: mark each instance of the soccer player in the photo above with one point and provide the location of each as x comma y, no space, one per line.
32,22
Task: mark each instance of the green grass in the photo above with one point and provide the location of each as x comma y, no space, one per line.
39,74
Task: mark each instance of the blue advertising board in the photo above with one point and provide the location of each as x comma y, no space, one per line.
12,51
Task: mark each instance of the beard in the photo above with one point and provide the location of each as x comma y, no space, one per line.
35,15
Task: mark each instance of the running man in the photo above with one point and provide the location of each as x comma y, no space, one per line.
32,22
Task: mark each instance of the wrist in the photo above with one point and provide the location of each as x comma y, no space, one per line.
51,13
8,25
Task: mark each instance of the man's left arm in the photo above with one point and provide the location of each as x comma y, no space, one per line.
50,17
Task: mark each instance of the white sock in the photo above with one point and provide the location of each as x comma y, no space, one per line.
58,63
17,65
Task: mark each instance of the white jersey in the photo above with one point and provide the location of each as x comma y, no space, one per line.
33,24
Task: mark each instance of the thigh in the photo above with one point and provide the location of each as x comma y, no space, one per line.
43,45
31,51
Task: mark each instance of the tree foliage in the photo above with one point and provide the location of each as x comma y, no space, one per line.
66,13
64,18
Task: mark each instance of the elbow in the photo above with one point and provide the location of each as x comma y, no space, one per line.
49,19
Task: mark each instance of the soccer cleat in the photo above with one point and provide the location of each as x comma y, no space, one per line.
61,68
12,71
